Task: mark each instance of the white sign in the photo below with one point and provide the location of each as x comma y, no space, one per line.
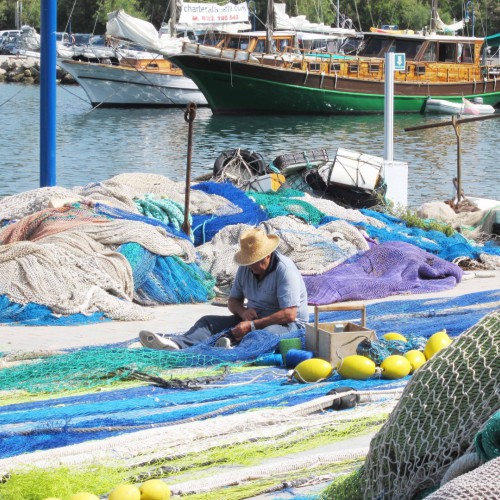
204,13
399,62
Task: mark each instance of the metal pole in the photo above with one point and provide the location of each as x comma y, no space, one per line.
48,22
189,116
389,106
456,127
338,14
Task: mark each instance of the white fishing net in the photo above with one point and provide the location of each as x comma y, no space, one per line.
313,250
442,408
69,282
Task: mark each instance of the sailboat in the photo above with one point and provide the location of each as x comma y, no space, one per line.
445,67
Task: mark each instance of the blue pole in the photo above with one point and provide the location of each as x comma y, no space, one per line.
48,22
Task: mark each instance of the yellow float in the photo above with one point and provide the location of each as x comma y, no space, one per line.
312,370
83,496
416,359
154,489
395,366
436,342
356,367
125,492
394,336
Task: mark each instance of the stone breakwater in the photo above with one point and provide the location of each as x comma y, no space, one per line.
22,69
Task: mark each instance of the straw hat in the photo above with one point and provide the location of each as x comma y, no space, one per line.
255,244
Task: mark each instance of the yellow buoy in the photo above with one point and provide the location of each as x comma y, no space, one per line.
154,489
83,496
125,492
51,498
394,336
416,359
356,367
312,370
436,342
395,366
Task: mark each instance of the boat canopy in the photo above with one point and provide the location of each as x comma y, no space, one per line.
493,40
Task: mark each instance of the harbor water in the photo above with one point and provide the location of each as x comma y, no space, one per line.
96,144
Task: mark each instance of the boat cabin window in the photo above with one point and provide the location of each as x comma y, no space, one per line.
447,52
238,43
261,46
430,52
408,47
372,47
465,53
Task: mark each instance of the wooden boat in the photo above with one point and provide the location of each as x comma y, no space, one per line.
301,82
463,107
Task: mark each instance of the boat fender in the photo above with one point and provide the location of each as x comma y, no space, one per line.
255,161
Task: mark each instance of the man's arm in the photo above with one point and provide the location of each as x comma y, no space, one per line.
281,317
236,307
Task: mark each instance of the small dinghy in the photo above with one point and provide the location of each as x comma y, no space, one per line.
466,107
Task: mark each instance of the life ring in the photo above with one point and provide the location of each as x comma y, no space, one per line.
246,163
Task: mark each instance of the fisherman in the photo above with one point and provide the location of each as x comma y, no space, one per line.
268,294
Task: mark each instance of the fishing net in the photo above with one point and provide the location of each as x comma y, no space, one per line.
432,241
384,270
205,227
443,406
312,250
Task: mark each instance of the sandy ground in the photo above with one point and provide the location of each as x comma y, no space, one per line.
175,318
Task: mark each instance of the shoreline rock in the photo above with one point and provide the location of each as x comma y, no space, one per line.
25,69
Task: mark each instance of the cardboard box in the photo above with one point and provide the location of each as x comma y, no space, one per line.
336,340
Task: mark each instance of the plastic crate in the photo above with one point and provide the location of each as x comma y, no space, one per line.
303,159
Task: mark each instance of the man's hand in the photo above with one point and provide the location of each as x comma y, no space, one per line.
241,329
249,315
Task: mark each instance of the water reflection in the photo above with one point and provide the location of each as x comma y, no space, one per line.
95,145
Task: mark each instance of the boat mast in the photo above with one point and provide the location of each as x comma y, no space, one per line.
269,26
173,16
434,15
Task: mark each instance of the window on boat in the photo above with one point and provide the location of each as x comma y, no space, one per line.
430,52
408,47
465,53
447,52
372,47
260,46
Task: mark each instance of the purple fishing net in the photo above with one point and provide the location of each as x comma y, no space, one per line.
386,269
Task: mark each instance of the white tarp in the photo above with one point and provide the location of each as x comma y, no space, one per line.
299,23
211,13
449,28
123,26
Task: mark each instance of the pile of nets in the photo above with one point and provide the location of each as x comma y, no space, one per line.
110,248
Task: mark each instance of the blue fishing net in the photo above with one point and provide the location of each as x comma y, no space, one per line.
31,314
166,280
205,227
63,421
118,213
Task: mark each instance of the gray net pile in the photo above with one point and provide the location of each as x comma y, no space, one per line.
313,250
119,191
442,408
481,483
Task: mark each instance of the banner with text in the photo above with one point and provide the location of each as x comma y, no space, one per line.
203,13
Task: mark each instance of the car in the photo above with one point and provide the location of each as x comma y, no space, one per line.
7,33
10,45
